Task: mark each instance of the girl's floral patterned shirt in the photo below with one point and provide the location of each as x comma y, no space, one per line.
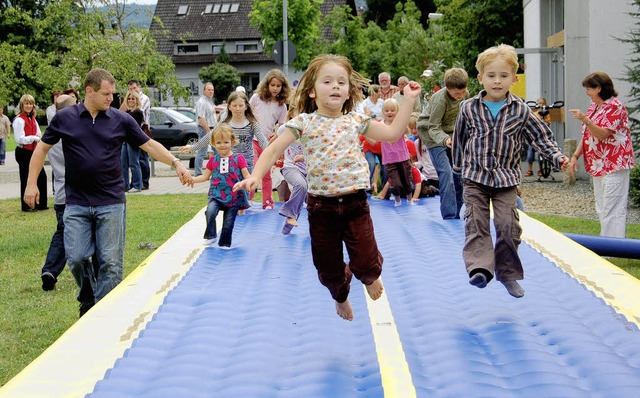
335,162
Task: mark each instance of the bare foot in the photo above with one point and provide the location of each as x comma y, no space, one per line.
375,289
292,221
344,310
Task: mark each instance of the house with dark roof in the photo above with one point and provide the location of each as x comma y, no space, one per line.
193,32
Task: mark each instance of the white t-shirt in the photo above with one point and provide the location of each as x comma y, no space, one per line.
375,109
427,170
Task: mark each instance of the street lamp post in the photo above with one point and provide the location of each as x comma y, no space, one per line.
285,39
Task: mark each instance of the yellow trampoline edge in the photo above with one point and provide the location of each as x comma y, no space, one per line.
74,363
615,286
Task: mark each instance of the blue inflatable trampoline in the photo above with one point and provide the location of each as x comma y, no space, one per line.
254,321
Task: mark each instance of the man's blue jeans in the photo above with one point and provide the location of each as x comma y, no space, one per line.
145,168
3,149
57,257
99,230
450,183
130,158
201,154
229,219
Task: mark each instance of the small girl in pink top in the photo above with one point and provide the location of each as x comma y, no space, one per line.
269,105
396,158
337,173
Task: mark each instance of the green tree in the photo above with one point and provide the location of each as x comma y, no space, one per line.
347,37
381,11
31,41
304,20
19,24
101,40
85,37
403,48
225,79
223,57
24,71
472,26
407,42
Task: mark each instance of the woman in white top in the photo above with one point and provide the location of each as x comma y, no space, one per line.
27,135
373,103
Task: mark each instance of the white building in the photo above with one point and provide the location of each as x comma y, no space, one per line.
565,40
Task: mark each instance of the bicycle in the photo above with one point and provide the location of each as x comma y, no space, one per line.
545,166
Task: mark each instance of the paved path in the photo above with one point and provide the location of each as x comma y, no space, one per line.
164,182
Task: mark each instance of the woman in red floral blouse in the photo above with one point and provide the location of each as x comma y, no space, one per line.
608,152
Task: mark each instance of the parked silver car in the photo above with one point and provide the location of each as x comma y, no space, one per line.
171,128
189,112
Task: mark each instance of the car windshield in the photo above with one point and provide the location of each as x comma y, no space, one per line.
187,112
178,116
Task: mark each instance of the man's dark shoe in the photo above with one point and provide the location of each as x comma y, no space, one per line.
84,307
48,281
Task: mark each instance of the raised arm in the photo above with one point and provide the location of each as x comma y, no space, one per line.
384,132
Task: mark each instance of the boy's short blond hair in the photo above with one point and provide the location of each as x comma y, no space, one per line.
503,51
456,78
390,103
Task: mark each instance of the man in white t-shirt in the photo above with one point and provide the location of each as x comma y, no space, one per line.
206,114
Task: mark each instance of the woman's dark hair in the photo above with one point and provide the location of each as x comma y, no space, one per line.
602,80
54,95
71,91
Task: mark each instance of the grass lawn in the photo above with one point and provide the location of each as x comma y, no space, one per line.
592,227
11,143
32,319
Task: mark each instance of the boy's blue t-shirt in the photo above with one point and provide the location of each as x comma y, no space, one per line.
494,107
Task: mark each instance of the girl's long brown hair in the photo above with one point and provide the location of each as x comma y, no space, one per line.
306,104
263,87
